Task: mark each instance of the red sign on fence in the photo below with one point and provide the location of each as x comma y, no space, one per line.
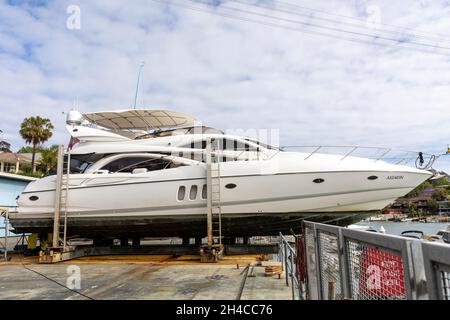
381,274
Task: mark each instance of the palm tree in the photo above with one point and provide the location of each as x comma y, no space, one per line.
36,130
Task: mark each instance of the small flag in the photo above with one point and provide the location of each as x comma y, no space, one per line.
73,141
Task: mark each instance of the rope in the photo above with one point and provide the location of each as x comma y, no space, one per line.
54,281
420,162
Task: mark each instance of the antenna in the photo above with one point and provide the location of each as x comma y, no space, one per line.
137,84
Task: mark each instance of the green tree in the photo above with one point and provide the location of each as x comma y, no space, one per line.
440,182
439,194
5,146
433,205
412,209
49,158
416,191
27,170
35,131
28,149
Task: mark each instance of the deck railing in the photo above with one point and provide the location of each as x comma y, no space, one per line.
421,160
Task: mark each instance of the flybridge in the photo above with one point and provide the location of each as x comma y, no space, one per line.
172,129
131,119
143,119
132,124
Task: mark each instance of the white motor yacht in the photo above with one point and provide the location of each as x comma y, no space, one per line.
142,173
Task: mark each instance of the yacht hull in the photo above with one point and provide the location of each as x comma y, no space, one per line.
263,204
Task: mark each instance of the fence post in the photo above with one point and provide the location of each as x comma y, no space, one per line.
291,259
285,262
408,270
417,271
311,277
344,266
299,281
318,268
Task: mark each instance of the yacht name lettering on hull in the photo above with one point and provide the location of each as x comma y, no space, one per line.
395,177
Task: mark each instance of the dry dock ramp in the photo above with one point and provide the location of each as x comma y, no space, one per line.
159,277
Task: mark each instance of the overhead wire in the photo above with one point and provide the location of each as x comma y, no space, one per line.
398,44
315,25
392,30
324,12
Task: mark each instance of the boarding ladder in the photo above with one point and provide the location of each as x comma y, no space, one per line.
214,248
61,200
215,192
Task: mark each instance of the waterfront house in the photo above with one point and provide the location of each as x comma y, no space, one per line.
12,185
444,207
11,162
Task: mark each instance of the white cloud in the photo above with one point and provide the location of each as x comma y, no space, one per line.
229,73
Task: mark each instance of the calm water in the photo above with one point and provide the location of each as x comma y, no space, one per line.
398,227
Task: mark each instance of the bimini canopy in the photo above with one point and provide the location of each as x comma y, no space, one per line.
140,119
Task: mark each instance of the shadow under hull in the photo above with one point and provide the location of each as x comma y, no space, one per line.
193,226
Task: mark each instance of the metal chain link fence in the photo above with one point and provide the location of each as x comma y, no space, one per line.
375,273
329,266
311,264
360,265
445,278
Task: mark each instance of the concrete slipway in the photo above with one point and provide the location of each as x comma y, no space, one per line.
139,277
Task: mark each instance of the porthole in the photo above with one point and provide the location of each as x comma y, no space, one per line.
372,178
230,186
33,198
318,180
181,193
204,192
193,192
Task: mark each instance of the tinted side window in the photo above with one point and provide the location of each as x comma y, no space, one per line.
130,163
224,144
204,192
181,193
195,145
193,193
236,145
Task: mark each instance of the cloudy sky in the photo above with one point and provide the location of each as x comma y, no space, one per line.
289,68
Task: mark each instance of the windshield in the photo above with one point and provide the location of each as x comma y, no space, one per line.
79,163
